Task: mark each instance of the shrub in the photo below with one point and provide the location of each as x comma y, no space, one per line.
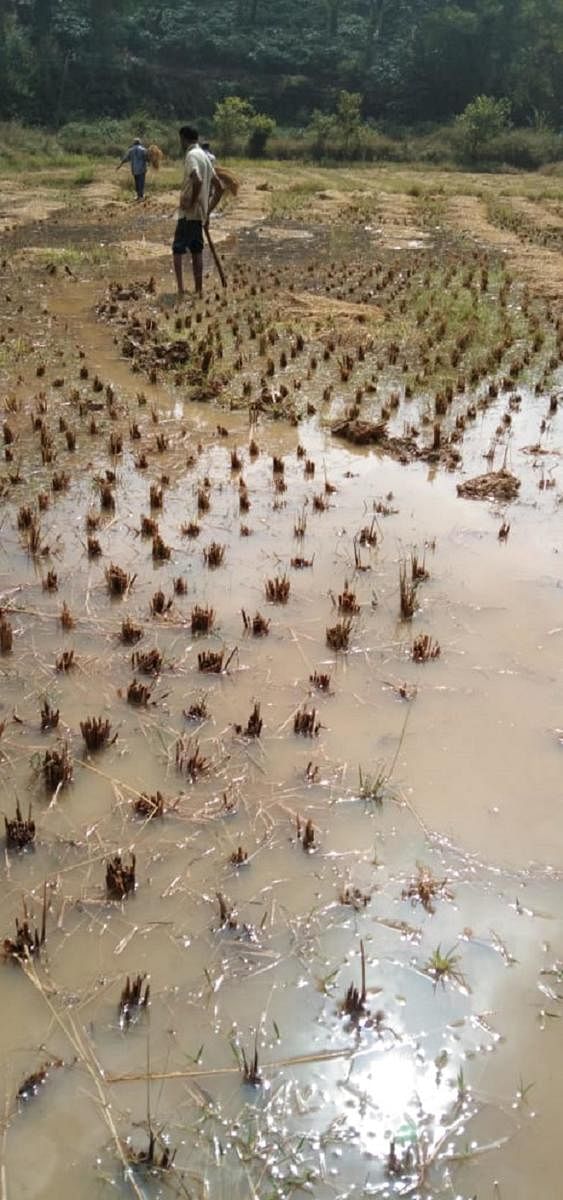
261,128
483,119
232,121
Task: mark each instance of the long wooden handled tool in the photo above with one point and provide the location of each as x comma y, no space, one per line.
216,258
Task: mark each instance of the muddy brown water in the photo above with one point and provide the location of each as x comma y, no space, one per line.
464,1074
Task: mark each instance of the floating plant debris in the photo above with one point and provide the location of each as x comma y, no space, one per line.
424,889
148,807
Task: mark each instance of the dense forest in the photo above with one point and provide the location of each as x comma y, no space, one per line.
412,61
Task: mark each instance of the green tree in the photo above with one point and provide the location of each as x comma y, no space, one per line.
261,128
482,120
232,121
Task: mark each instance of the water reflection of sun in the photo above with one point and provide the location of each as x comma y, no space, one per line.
395,1095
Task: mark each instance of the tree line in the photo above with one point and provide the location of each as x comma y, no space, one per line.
412,61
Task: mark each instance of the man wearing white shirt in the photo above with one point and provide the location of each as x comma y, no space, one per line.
200,194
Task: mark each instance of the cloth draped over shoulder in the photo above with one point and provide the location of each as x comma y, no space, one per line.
198,162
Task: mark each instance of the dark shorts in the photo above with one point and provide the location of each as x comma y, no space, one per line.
188,236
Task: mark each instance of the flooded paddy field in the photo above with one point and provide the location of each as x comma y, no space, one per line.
281,655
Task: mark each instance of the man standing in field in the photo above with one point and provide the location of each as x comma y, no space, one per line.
138,156
200,195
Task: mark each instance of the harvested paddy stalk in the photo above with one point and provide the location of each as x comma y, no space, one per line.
202,618
159,604
191,530
250,1067
156,496
228,916
160,551
149,662
57,768
139,694
347,602
66,661
189,760
119,582
372,787
239,857
60,481
305,722
300,526
107,498
203,501
214,554
134,997
49,716
353,897
210,661
130,632
154,1158
299,564
180,586
320,680
120,877
424,648
149,526
306,835
338,636
253,727
6,636
354,1003
198,710
258,625
148,807
368,535
25,517
20,831
277,589
96,732
407,593
29,940
33,542
66,617
93,547
418,568
32,1083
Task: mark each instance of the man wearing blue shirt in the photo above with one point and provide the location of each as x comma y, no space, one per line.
138,156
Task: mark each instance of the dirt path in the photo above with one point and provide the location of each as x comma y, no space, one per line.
542,268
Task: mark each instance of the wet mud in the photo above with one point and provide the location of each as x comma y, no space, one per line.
280,711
